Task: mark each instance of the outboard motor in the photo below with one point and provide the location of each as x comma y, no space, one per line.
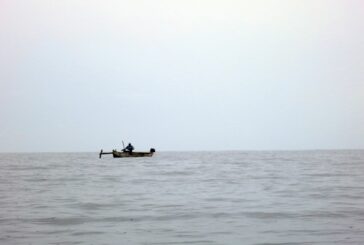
152,150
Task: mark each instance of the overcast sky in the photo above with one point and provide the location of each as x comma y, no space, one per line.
181,75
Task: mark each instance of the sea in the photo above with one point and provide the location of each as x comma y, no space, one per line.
227,197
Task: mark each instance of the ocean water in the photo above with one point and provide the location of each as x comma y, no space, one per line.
307,197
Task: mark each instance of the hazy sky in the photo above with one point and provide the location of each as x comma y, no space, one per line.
181,75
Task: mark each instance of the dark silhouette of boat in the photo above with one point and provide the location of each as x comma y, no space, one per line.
119,154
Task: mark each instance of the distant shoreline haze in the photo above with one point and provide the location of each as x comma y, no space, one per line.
189,151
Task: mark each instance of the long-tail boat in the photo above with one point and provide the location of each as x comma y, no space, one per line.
118,154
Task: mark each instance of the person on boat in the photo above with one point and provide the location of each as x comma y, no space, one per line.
129,148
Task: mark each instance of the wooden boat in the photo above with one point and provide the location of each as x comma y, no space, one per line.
119,154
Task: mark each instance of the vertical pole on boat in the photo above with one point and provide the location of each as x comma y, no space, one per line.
123,144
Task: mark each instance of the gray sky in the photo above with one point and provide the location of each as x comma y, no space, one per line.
181,75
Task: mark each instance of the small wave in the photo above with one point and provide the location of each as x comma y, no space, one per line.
269,215
61,221
184,242
284,243
86,233
96,206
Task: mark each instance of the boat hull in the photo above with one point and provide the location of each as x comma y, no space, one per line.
119,154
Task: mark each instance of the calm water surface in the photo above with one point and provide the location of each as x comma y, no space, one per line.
308,197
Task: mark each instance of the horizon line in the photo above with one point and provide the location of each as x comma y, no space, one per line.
232,150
